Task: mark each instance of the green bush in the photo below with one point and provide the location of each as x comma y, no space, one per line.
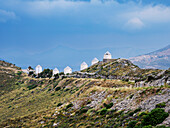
52,94
161,105
57,88
46,73
108,105
156,116
19,73
131,96
32,86
137,110
70,105
59,104
132,124
83,110
131,113
103,111
148,126
142,114
161,126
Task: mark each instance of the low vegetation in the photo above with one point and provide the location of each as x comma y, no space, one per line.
77,102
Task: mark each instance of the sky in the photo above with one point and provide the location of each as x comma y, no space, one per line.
60,33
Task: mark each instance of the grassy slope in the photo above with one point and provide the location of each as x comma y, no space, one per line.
20,106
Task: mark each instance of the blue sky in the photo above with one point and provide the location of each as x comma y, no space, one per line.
57,33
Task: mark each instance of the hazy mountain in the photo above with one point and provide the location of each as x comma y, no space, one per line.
157,59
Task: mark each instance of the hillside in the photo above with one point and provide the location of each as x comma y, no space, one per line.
159,59
81,102
121,69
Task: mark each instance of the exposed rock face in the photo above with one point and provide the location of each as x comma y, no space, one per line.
152,101
158,59
97,99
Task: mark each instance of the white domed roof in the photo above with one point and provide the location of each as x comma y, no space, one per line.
107,55
55,71
83,66
67,67
94,61
84,63
67,70
38,66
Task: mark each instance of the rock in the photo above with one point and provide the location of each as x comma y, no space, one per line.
42,122
55,124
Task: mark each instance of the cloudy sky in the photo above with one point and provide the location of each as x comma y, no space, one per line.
57,33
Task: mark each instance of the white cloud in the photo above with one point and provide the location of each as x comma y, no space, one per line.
150,14
6,15
134,23
109,12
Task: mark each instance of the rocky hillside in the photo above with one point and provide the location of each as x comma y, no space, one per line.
82,102
159,59
120,69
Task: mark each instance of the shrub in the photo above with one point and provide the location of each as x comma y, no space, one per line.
19,73
52,94
137,110
148,126
161,126
59,104
108,105
103,111
156,116
142,114
46,73
131,113
161,105
83,110
57,88
131,96
126,80
56,76
89,101
132,124
70,105
32,86
149,78
66,89
61,73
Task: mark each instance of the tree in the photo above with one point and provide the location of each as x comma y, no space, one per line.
30,68
56,76
46,73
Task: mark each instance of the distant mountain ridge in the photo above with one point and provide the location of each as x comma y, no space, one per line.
167,48
159,59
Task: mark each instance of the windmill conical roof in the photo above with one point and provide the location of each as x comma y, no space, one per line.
38,66
95,59
67,67
55,69
107,53
84,63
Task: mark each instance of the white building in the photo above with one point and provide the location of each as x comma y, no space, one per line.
55,71
94,61
83,66
38,69
67,70
107,55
